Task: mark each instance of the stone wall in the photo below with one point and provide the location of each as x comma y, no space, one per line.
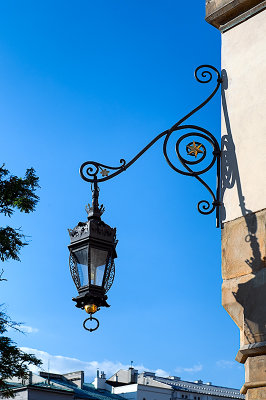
243,118
243,143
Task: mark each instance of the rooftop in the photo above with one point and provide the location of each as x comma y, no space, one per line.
200,387
130,376
73,384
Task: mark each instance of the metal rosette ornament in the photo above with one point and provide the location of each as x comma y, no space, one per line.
194,153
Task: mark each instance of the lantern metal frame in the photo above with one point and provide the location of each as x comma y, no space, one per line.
93,234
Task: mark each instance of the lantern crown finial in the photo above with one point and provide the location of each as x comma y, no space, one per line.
95,211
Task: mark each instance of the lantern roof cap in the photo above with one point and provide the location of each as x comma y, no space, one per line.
92,229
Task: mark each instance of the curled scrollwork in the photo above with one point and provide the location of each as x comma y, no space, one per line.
90,170
204,206
204,75
202,134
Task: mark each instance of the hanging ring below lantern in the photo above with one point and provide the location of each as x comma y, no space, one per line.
90,319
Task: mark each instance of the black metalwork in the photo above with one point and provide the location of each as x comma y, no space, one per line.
92,246
109,274
90,170
91,318
74,270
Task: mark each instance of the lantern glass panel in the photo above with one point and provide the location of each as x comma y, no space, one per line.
98,262
82,265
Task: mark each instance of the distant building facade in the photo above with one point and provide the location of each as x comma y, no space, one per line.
147,386
125,384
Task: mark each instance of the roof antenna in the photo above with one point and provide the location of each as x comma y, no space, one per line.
48,371
131,366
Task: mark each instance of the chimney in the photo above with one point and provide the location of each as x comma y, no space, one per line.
100,381
132,375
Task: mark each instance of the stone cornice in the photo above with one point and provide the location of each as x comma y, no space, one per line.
250,350
252,385
224,14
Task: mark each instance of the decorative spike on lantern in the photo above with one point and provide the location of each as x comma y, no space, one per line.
92,253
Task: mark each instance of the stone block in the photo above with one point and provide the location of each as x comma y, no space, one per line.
234,308
243,245
244,275
256,394
244,299
255,368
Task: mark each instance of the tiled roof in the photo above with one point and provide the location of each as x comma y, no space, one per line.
201,388
16,385
52,386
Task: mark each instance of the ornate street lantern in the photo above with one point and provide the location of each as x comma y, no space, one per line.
92,254
93,243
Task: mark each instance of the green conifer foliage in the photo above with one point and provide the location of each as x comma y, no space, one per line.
15,194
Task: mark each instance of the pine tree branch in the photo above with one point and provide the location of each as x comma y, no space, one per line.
11,241
18,192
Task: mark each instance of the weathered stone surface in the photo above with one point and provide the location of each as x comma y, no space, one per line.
255,385
256,394
234,309
244,299
243,245
220,12
255,368
250,350
244,274
243,189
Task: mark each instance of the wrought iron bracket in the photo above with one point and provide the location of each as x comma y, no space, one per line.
193,148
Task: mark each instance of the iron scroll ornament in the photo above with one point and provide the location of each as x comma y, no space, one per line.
90,170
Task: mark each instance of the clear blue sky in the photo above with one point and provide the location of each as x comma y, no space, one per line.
98,80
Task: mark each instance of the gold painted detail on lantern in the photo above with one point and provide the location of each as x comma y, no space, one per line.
91,308
194,149
104,172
